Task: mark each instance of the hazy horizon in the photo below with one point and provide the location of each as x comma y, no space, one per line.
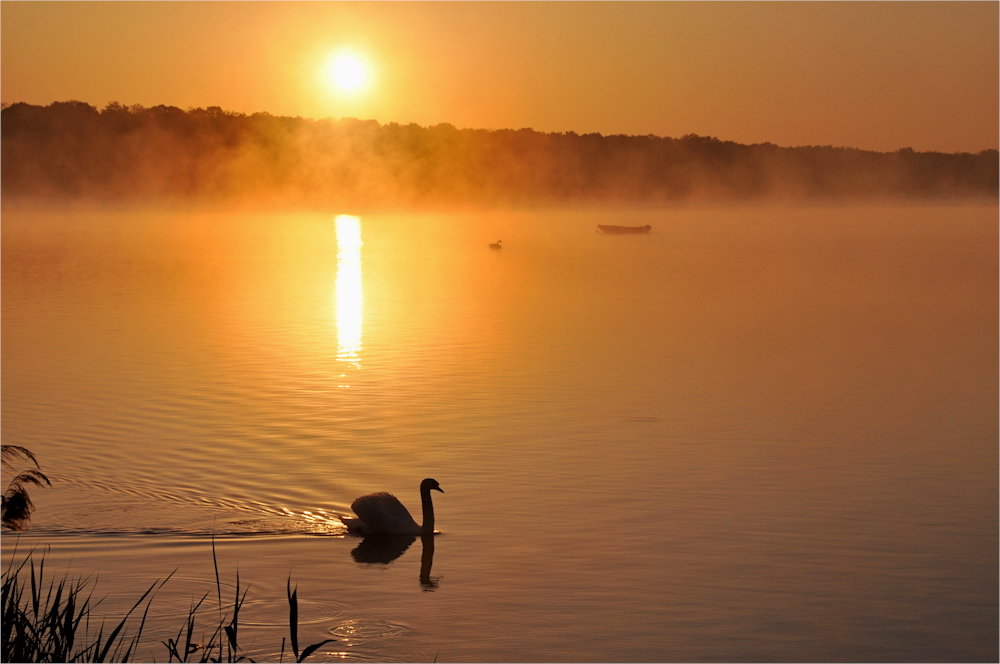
73,151
116,103
871,76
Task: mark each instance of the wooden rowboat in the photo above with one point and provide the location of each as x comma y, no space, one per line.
619,230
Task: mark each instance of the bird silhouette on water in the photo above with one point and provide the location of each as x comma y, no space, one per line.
383,513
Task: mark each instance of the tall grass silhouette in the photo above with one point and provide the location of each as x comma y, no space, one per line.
53,620
56,622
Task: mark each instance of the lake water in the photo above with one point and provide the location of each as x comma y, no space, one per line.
755,434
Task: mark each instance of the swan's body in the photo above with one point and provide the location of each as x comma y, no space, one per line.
383,513
496,245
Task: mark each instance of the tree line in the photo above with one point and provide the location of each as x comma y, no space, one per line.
72,150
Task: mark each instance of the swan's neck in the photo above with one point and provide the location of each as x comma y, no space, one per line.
428,507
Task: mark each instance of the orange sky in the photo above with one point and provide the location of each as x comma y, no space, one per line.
873,75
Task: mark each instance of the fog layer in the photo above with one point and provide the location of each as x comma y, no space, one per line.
73,151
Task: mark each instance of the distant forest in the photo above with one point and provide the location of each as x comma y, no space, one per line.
71,150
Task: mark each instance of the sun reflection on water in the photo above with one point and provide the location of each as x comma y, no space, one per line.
349,298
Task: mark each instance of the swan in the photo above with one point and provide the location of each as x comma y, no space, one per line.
496,245
383,513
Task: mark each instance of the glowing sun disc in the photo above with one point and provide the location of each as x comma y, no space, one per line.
347,72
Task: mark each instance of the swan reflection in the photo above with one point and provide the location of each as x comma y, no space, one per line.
427,582
348,287
382,549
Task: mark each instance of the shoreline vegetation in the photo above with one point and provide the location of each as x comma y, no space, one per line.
52,623
54,620
16,509
70,152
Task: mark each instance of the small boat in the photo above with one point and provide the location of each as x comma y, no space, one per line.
621,230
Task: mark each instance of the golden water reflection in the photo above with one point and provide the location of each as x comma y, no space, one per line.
348,288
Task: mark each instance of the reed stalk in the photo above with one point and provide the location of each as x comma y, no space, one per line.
52,620
52,623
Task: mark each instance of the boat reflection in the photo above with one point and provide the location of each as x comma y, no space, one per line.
348,290
383,549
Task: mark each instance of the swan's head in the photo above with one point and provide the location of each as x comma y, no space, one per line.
429,484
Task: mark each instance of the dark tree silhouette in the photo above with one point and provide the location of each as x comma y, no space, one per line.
70,150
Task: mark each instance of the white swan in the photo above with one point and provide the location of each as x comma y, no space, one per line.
383,513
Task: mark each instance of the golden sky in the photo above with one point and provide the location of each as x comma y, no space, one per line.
872,75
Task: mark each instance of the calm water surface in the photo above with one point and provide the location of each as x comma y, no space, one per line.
754,434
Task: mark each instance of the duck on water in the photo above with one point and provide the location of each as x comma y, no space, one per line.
383,513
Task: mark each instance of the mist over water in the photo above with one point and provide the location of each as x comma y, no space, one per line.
756,433
71,152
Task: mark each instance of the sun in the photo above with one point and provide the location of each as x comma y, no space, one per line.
347,72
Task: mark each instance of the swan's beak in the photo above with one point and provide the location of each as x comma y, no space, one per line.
437,488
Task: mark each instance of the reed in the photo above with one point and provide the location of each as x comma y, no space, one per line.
52,620
222,644
15,504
